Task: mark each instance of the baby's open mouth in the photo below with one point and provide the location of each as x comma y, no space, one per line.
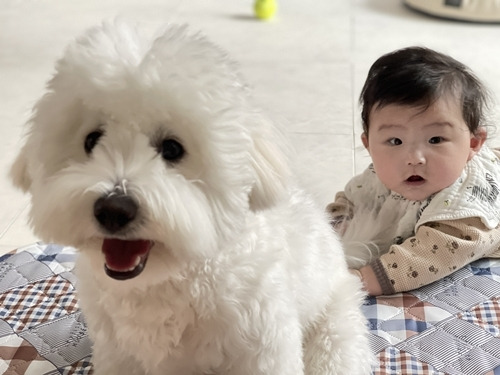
125,259
415,178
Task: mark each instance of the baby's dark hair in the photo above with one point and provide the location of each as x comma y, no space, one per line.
418,76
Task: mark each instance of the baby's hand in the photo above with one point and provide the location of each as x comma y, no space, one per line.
369,280
356,273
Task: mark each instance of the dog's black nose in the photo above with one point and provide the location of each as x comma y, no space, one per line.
115,211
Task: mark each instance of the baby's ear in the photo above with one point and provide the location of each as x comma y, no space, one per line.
476,141
364,139
271,170
19,172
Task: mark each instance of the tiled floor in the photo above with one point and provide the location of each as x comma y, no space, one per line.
306,67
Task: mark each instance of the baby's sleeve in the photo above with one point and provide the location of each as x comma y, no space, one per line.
437,250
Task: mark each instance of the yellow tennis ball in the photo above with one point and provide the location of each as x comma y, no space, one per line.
265,9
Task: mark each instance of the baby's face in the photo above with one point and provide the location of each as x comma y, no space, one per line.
417,153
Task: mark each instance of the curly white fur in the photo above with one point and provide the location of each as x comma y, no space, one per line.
245,276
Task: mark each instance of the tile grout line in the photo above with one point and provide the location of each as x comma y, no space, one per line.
11,223
352,7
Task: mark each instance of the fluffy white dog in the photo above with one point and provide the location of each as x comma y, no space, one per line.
199,255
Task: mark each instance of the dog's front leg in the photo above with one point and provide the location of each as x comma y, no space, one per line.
276,347
105,363
108,359
337,343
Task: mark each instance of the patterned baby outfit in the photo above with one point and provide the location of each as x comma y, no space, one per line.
421,242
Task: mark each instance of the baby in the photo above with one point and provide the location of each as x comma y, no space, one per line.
428,204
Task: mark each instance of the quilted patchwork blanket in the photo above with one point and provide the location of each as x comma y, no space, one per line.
449,327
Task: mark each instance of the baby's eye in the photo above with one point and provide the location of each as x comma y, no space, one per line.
395,141
435,140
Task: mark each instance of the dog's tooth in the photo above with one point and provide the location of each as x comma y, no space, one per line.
136,263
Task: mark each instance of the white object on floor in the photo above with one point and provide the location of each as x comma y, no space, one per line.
462,10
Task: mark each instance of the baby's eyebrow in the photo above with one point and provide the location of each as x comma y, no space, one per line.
389,127
439,124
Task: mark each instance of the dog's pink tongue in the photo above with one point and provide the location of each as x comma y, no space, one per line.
122,255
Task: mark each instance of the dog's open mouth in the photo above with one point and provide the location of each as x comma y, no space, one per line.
125,259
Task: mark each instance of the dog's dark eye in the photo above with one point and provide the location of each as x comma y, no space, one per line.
91,140
171,150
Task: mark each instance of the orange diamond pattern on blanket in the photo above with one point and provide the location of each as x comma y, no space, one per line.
401,316
83,367
17,356
486,315
37,303
393,361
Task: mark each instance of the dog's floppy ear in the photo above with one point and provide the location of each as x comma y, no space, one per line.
271,170
19,171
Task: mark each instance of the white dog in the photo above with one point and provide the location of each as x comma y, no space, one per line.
198,255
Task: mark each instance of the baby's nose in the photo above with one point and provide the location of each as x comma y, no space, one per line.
415,157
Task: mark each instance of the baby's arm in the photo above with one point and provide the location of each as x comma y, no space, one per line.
437,250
